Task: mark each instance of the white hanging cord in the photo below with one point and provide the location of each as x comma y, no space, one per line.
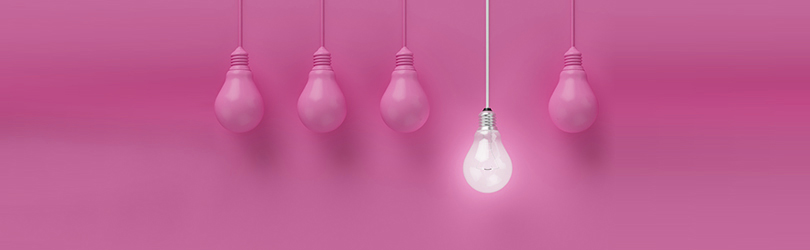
487,53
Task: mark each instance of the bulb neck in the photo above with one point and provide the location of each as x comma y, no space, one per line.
239,59
322,59
487,120
573,59
404,59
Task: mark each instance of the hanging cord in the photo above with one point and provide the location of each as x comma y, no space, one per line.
572,23
240,24
404,24
487,52
323,34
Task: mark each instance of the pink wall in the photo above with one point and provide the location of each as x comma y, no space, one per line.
108,138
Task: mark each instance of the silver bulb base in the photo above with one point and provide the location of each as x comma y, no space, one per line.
487,120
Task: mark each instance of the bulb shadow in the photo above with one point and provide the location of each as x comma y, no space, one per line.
421,147
589,148
341,146
258,146
421,151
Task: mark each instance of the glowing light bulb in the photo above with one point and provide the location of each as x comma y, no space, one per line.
321,106
572,106
487,166
239,106
404,106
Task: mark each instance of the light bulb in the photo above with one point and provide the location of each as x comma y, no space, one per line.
239,106
404,106
572,106
487,166
321,106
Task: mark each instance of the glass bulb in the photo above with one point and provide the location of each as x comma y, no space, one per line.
487,166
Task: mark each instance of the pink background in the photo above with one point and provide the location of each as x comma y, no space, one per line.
108,138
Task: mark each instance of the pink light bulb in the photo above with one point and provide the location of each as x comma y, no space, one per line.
404,106
322,107
572,105
239,106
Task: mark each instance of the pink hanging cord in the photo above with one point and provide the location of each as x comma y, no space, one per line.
323,34
404,24
240,24
572,23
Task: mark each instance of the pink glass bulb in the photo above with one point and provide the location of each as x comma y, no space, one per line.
239,106
572,105
404,106
322,107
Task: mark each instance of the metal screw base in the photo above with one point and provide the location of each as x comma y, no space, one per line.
487,120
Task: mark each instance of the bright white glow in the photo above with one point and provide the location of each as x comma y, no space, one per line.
487,166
